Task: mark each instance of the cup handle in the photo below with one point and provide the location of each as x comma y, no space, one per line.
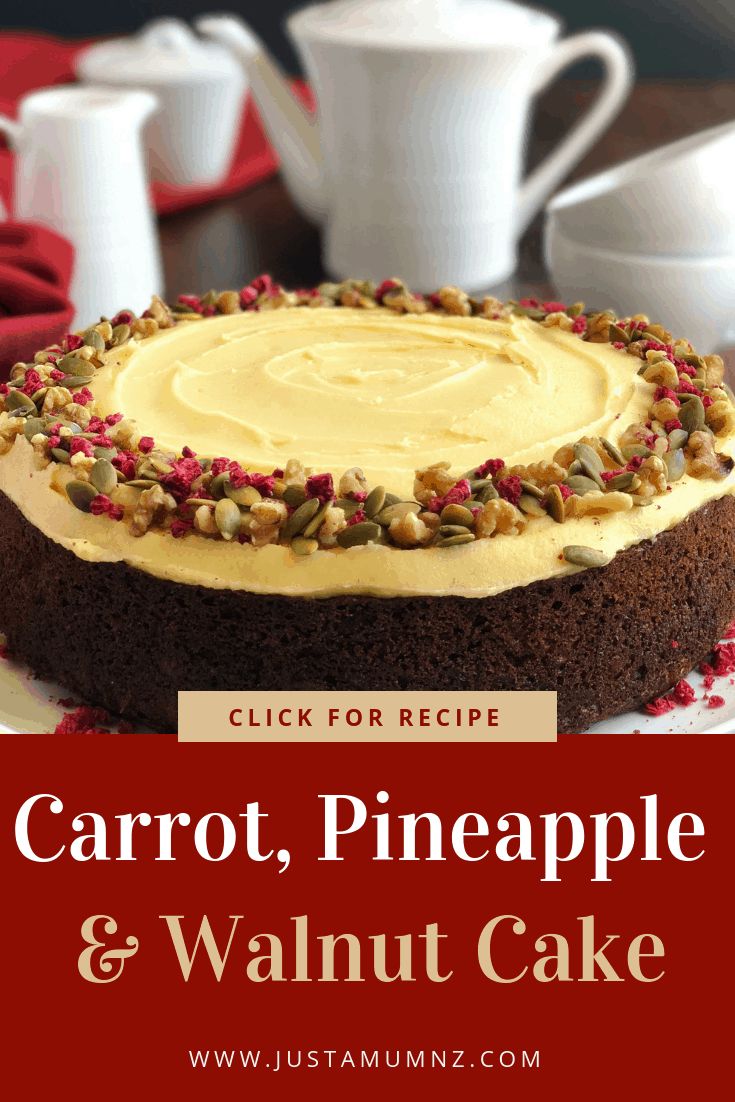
617,82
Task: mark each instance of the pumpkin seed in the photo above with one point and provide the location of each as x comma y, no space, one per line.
555,503
488,494
39,396
33,426
393,499
581,484
217,485
316,522
105,453
81,494
531,506
303,546
294,496
71,364
227,518
477,485
395,512
675,464
630,451
575,467
197,501
358,534
348,506
300,518
142,483
19,401
60,455
375,501
104,476
452,530
455,541
678,438
457,514
584,556
618,334
244,495
94,339
120,334
74,382
692,415
622,481
613,451
531,488
590,462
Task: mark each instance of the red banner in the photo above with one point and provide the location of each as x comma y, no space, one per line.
489,921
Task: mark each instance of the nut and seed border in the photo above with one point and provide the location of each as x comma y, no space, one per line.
121,474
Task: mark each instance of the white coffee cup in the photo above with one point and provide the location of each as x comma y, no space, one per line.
79,168
201,90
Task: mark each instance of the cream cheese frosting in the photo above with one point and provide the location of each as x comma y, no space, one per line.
390,393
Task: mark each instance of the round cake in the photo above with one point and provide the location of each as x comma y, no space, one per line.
356,487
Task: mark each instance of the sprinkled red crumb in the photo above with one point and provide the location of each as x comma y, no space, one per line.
321,486
724,659
555,307
635,463
84,396
125,463
179,479
662,392
685,387
707,401
607,475
357,518
675,643
78,445
146,444
565,491
489,467
455,496
124,317
659,707
188,453
715,701
672,424
384,287
248,297
510,488
358,495
579,325
113,419
683,694
84,720
179,528
72,342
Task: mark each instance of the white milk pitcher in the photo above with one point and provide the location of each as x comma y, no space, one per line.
79,168
415,157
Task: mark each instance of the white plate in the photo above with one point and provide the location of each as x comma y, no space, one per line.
28,705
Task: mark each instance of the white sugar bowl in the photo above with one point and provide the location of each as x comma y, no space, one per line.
201,90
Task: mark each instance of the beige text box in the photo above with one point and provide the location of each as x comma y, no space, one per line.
367,716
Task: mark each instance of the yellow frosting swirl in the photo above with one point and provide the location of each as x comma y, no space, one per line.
388,393
339,388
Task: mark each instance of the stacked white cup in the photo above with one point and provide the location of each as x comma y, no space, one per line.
655,235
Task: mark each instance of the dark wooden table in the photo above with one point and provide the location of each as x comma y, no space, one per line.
226,243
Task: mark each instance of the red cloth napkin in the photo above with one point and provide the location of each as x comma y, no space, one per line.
29,61
35,269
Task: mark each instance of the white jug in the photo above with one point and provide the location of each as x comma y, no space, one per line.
79,168
414,160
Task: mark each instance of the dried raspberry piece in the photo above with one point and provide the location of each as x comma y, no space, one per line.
662,392
565,491
187,453
683,694
715,701
554,307
454,496
146,444
84,446
321,486
579,325
390,285
673,424
113,419
248,298
72,342
193,301
124,317
659,707
124,462
730,631
510,488
489,467
180,527
83,396
357,518
219,465
179,479
84,720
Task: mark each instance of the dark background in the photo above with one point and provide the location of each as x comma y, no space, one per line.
671,38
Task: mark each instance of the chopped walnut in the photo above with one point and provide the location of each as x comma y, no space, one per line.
455,301
145,327
564,456
493,308
10,427
559,320
704,461
664,410
228,302
410,531
598,327
499,518
354,297
153,504
652,476
714,370
431,520
661,372
262,534
597,503
541,474
160,313
400,298
269,511
634,434
721,416
204,521
334,521
294,473
56,397
352,482
80,415
123,433
432,481
82,463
